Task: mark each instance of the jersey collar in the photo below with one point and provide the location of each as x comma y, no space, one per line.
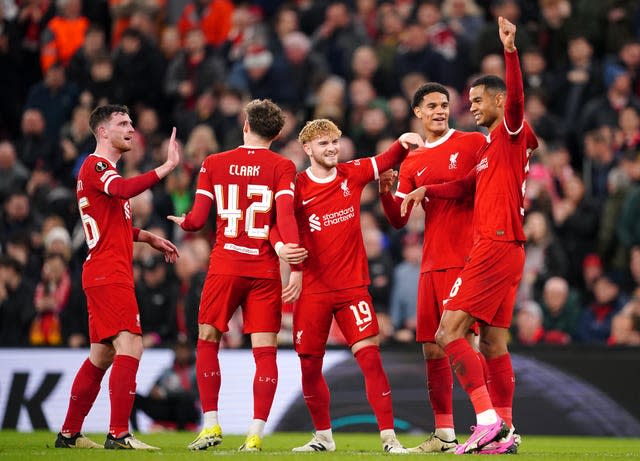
440,140
326,180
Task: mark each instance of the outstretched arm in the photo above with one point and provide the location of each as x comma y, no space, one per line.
161,244
197,217
391,203
397,151
514,106
448,191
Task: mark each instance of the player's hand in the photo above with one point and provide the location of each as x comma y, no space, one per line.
173,150
411,140
292,253
417,196
168,249
292,291
176,219
387,180
507,34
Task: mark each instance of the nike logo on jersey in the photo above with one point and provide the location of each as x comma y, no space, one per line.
304,202
364,327
419,173
384,394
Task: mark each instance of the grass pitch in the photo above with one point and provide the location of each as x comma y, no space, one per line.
39,446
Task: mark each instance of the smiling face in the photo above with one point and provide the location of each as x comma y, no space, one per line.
433,112
323,151
485,105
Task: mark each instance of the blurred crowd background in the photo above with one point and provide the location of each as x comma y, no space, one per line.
194,64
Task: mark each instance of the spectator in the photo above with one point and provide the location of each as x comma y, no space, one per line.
338,36
555,28
592,270
32,19
13,174
94,46
16,304
625,325
576,221
102,88
561,309
464,17
34,148
193,70
76,142
17,216
138,68
74,325
628,226
260,76
64,34
10,58
599,160
404,291
202,142
487,41
171,403
306,70
528,327
366,65
544,257
595,322
55,98
50,299
157,293
414,54
578,82
213,17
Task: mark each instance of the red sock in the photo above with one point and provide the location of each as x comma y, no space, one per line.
208,374
315,391
468,369
265,381
483,362
84,391
376,385
122,392
501,385
440,386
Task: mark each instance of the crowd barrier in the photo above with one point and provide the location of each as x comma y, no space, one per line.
568,391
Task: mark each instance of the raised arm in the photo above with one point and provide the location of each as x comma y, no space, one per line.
514,105
125,188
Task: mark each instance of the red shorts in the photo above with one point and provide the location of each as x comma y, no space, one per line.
260,300
112,309
433,288
487,285
352,308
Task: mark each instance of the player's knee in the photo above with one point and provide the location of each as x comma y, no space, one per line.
492,348
432,351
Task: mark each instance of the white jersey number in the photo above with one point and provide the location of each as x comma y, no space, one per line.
230,211
91,231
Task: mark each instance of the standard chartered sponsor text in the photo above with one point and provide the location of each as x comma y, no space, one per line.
329,219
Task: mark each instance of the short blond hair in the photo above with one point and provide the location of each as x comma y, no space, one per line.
316,128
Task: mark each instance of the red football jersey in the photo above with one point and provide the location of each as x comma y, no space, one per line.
328,216
503,164
448,223
107,225
244,184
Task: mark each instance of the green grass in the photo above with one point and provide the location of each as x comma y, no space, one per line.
39,446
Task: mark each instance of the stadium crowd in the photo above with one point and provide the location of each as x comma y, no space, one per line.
194,64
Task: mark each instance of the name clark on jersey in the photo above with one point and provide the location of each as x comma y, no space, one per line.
244,170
